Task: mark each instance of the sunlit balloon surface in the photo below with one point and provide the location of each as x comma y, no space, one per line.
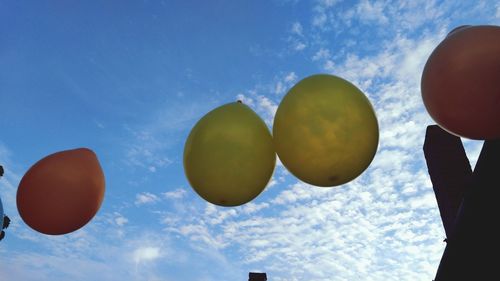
325,131
62,192
229,156
461,82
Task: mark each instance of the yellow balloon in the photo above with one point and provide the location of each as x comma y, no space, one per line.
325,131
229,156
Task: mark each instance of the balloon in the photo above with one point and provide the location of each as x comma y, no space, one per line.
229,156
461,82
62,192
325,131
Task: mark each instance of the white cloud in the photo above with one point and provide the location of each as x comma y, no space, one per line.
296,37
120,220
143,152
95,252
329,66
201,234
285,83
321,12
427,200
320,19
299,191
251,207
216,215
146,198
372,11
290,77
146,254
280,88
268,106
321,54
175,194
299,46
414,55
297,28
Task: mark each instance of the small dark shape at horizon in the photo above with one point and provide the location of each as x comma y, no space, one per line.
1,170
253,276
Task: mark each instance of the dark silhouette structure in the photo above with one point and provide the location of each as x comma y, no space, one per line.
253,276
6,219
469,206
449,170
6,223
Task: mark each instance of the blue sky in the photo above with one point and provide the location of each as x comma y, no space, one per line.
129,79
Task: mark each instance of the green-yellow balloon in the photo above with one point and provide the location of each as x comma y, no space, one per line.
229,156
325,131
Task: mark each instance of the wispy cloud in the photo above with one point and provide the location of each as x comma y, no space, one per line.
321,54
146,254
144,152
296,38
148,144
297,29
103,250
175,194
372,11
120,220
146,198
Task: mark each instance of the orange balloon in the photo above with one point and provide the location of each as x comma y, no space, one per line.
461,82
62,192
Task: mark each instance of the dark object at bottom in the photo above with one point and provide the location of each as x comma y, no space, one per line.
472,244
252,276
